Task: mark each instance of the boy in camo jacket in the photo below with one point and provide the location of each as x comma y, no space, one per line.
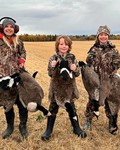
63,47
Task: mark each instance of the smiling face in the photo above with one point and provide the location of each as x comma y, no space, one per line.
63,46
8,30
103,38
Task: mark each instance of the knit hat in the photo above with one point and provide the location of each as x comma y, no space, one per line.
8,21
103,29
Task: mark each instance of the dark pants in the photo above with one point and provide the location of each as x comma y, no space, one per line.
89,113
23,112
92,106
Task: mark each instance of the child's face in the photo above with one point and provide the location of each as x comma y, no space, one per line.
9,30
103,38
63,46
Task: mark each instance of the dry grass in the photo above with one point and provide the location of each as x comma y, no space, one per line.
63,138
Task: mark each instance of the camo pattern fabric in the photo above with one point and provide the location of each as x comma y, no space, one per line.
105,61
104,58
71,59
9,57
103,29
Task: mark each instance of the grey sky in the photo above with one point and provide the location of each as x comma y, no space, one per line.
71,17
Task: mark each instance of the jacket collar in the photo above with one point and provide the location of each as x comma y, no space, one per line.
10,40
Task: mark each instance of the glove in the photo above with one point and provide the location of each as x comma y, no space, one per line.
21,61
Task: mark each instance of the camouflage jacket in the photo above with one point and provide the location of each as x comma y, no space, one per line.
104,58
71,59
9,57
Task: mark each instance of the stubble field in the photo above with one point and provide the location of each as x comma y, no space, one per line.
98,138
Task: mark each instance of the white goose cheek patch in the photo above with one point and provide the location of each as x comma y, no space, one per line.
69,73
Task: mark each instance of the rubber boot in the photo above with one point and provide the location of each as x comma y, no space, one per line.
112,119
87,125
10,124
23,115
50,124
113,124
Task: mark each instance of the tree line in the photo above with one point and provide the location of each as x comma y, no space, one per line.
43,37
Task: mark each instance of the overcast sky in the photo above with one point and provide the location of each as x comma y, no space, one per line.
70,17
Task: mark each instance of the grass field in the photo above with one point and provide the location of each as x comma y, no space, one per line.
63,138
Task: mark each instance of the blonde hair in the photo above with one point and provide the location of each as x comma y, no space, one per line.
14,38
67,39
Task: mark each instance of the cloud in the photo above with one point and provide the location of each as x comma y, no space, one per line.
63,16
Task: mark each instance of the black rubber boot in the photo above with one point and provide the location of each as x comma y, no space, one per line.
23,115
22,125
10,124
113,124
50,124
112,119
